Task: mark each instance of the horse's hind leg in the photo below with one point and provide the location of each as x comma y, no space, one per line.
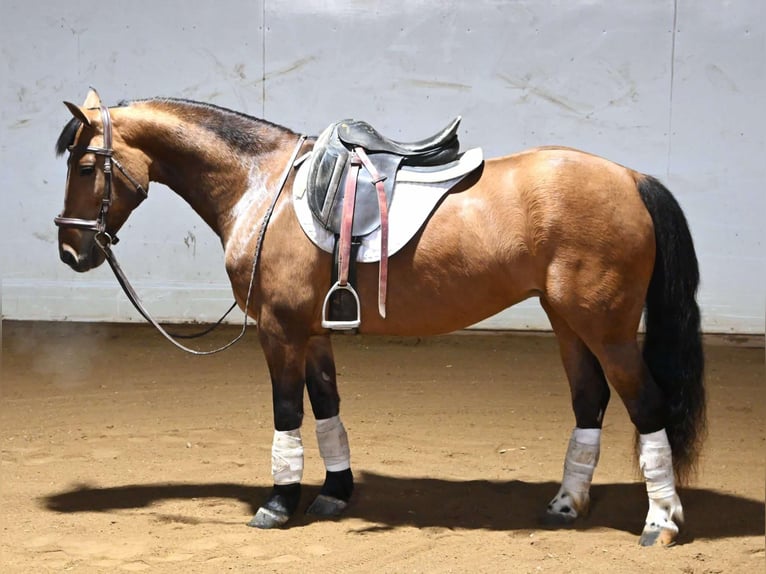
612,339
644,400
590,397
331,434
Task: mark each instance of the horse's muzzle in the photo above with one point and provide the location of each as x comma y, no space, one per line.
81,261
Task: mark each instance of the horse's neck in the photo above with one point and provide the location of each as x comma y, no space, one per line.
213,178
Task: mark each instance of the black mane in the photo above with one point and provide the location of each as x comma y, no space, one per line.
67,136
241,131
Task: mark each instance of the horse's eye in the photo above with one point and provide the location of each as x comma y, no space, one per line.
87,169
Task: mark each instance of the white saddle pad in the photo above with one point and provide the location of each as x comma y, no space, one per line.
416,193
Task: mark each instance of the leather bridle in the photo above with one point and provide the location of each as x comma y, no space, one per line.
98,225
104,240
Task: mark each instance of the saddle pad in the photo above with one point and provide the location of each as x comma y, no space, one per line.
416,193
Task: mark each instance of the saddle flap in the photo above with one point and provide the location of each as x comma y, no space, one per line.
327,166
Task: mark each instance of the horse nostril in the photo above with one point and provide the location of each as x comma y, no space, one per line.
70,257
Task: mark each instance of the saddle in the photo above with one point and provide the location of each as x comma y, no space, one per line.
349,188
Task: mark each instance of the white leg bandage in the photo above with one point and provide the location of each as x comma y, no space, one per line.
287,457
573,497
333,444
581,460
656,463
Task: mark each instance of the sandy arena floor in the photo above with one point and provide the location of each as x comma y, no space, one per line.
119,453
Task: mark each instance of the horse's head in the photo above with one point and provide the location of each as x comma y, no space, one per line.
106,180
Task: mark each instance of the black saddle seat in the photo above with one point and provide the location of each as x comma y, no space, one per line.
440,148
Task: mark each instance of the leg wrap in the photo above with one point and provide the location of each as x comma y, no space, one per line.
665,510
333,444
573,498
580,463
656,463
287,457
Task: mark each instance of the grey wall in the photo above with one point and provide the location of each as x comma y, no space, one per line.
674,89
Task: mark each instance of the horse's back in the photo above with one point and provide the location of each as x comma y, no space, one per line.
555,200
552,222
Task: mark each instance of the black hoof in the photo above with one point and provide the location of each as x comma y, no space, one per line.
266,519
557,520
334,496
338,485
649,537
279,507
326,506
654,536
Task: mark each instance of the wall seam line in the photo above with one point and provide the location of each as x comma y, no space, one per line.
672,84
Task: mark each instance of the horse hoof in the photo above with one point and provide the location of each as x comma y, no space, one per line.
279,507
565,508
557,519
265,519
662,520
664,537
327,506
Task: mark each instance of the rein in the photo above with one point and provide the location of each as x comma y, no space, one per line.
104,240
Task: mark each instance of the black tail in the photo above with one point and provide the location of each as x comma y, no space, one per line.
673,345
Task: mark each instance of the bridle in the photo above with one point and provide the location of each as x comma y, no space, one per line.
102,237
104,240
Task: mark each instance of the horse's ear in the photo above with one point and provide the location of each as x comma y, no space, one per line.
78,113
92,100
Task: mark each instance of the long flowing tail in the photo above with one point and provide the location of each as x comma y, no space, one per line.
673,344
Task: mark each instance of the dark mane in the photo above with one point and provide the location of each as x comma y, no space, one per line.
241,131
67,136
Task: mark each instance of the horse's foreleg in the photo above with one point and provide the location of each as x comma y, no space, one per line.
331,434
590,397
287,370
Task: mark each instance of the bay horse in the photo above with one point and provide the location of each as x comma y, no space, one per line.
596,242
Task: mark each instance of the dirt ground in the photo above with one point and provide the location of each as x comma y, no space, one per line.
120,453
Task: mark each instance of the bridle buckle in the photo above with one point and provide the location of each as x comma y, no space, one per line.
104,240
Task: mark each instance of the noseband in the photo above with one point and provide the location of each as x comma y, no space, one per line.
99,225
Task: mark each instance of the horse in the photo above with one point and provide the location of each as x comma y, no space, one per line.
600,245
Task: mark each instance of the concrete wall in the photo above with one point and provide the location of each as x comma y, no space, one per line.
674,89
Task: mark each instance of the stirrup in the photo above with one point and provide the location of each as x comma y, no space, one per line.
345,324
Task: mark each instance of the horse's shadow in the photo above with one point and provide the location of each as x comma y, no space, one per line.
389,501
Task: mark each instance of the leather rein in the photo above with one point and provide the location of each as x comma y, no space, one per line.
104,240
